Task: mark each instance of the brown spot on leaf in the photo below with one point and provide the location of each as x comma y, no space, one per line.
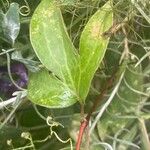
95,31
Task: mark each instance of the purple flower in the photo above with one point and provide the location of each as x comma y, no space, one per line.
19,69
20,76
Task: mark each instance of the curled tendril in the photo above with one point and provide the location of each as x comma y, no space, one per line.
25,9
52,123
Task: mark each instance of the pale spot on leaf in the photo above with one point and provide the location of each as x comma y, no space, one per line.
95,30
47,13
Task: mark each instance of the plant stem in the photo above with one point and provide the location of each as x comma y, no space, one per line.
109,83
83,126
12,112
106,104
85,122
144,134
82,111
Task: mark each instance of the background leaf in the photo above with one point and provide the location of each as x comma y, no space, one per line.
10,23
126,102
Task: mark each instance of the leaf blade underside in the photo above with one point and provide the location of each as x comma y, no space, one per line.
45,90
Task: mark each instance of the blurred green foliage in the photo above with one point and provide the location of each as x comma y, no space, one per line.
119,126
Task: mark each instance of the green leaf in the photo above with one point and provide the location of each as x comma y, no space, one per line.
51,42
93,47
10,23
31,64
45,90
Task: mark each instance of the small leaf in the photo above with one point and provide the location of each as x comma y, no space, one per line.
31,65
93,46
46,90
10,25
51,42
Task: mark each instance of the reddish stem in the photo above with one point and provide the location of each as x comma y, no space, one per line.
81,131
85,123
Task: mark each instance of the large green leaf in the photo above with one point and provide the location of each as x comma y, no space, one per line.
44,89
52,43
93,46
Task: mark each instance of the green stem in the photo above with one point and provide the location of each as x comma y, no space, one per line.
144,134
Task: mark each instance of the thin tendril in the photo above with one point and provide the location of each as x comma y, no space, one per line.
25,9
52,124
9,71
